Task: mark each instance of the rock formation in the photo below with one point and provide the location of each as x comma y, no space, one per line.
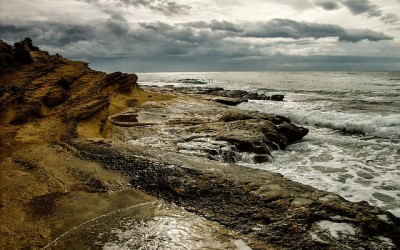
70,133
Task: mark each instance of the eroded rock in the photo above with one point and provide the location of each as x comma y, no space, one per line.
125,81
55,96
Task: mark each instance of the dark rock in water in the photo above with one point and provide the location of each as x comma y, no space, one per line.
54,97
240,94
261,158
237,94
193,81
229,101
292,132
277,97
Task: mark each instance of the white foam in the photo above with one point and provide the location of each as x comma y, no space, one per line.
335,229
384,126
358,170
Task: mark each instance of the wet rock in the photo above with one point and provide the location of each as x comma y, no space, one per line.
261,158
193,81
229,101
240,94
292,132
245,143
236,94
283,213
277,97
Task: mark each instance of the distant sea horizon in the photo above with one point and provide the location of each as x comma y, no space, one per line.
282,64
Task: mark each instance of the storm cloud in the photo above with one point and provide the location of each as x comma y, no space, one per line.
286,28
328,4
174,35
359,7
362,7
166,7
213,38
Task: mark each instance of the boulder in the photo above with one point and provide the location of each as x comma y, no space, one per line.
277,97
54,97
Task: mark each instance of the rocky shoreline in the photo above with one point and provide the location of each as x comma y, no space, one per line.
69,133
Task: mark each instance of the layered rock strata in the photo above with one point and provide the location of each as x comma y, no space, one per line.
72,135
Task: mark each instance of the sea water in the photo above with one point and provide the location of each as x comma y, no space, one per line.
353,147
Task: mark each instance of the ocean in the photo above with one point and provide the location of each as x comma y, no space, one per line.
353,147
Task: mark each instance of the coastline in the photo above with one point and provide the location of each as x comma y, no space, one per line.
59,146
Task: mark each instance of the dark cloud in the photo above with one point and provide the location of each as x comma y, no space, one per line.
215,25
356,35
285,28
117,24
49,33
166,7
170,8
327,4
358,7
191,33
390,18
180,44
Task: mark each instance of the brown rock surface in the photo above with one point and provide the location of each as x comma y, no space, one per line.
63,163
41,104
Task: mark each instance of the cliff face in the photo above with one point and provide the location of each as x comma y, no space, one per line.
36,86
72,139
43,98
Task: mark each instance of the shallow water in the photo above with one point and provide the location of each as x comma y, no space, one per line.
353,148
149,225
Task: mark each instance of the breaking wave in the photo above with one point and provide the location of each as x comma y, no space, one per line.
382,126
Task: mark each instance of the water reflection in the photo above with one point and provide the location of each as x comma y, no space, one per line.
151,225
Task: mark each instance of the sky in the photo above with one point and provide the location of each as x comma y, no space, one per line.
205,35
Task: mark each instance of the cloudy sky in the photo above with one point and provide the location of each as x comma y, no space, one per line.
205,35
